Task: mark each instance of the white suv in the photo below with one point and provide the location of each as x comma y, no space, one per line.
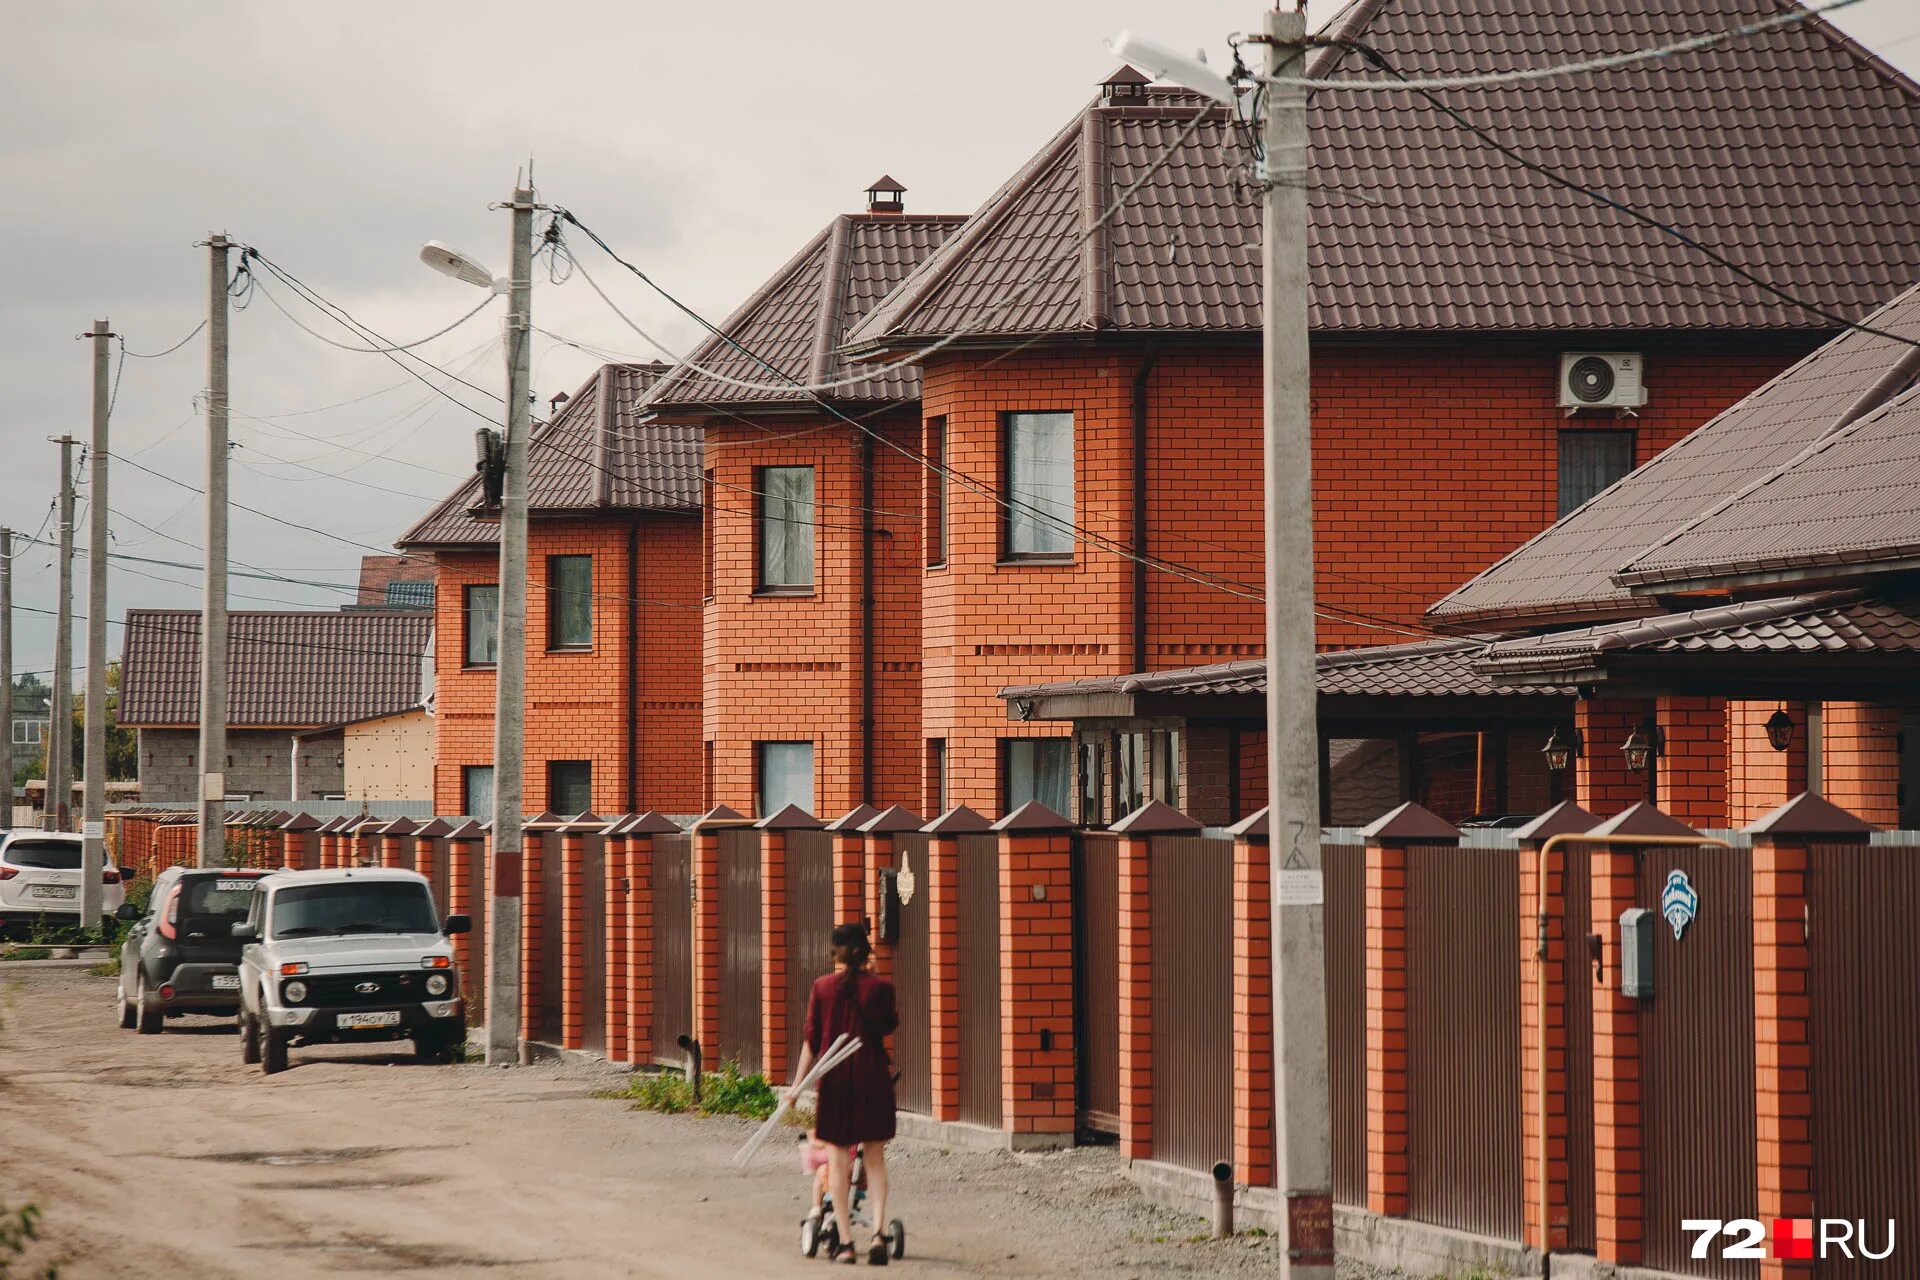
348,955
40,880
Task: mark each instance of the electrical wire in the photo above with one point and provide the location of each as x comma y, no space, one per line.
155,355
382,350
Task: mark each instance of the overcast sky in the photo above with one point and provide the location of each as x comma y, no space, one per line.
704,141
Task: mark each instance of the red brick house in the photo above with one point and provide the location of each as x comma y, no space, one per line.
613,640
812,563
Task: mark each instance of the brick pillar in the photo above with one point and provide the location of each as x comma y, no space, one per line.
326,842
295,839
465,849
1860,760
1602,783
573,931
423,856
393,845
849,876
1692,764
1252,1007
1759,778
882,854
943,953
1547,1109
1783,1052
1616,1070
640,834
1135,912
1036,973
614,918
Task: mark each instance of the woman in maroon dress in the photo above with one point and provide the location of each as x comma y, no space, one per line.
854,1107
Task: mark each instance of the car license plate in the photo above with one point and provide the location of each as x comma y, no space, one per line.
55,890
361,1021
226,982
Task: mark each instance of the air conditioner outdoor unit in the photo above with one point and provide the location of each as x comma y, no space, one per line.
1601,380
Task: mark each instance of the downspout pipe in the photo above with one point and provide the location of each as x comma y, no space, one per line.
867,621
1141,377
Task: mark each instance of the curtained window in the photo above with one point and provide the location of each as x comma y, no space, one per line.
785,772
785,534
482,625
569,786
1589,462
1037,769
569,603
476,790
1039,484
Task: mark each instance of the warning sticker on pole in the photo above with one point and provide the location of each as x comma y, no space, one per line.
1300,888
93,830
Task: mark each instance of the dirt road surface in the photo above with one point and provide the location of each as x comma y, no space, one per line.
164,1156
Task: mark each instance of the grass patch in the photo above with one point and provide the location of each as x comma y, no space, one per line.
27,953
725,1092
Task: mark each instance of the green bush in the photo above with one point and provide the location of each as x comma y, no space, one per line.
725,1092
27,953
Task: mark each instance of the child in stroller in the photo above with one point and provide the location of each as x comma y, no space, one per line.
817,1229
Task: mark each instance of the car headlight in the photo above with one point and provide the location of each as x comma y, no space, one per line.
296,992
436,984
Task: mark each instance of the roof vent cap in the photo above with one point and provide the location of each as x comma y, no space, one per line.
886,195
1128,84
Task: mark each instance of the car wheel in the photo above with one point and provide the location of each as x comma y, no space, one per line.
249,1040
273,1051
147,1019
123,1006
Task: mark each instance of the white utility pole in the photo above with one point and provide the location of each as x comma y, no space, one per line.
6,678
60,731
93,820
1303,1156
212,756
505,1041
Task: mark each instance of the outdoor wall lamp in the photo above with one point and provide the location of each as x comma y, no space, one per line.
1641,746
1780,730
1560,751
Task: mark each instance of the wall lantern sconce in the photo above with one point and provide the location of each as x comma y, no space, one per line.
1641,747
1780,730
1560,750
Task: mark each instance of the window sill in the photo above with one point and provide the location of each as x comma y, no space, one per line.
571,648
1033,562
784,593
480,666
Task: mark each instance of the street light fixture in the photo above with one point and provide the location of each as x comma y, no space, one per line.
1163,63
449,261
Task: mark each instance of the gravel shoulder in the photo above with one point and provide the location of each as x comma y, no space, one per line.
164,1155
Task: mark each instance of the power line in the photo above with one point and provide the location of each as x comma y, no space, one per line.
380,350
155,355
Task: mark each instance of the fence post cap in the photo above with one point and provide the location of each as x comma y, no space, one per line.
892,820
1033,816
1251,827
544,821
1409,823
958,821
326,828
396,827
651,824
722,813
790,818
433,829
852,818
468,830
277,817
301,822
582,823
1564,819
1155,818
1809,815
1643,819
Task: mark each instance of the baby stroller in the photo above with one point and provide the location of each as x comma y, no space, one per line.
825,1232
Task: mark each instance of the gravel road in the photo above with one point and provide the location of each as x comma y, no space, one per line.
164,1156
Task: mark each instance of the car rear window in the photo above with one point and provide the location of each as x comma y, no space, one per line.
353,906
50,855
228,896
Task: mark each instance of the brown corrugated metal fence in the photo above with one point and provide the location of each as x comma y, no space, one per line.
672,945
1344,869
1192,885
912,1043
593,934
1096,975
1697,1085
739,948
1463,1039
1864,995
809,926
552,954
978,906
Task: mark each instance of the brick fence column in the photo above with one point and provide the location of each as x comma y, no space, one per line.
1253,1082
295,834
640,834
1387,839
943,952
613,919
1783,1054
1037,1087
573,928
1543,925
850,864
465,849
394,849
424,850
775,1035
1618,1168
882,854
1602,783
706,927
328,840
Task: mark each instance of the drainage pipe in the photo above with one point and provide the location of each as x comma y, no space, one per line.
692,1047
1222,1199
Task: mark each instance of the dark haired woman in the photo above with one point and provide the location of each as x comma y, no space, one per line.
855,1102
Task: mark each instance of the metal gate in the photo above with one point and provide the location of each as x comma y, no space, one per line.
672,945
809,927
913,1043
1096,978
1463,1039
552,955
1192,885
978,987
1345,915
1864,994
593,943
739,949
1697,1059
437,881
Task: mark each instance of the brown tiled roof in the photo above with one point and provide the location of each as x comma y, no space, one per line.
1423,668
595,455
1419,225
1567,572
798,318
292,668
1818,623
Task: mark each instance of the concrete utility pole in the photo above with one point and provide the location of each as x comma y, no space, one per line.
60,731
6,677
1303,1157
212,755
505,1042
93,824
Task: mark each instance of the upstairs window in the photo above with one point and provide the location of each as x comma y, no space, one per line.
934,494
784,498
1037,769
570,603
1039,485
569,786
1589,462
785,776
476,791
481,614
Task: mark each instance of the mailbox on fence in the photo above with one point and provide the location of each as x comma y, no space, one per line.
1636,952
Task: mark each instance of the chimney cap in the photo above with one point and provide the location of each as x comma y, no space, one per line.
886,194
1127,84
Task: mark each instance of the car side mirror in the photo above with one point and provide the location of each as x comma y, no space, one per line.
246,931
458,924
127,911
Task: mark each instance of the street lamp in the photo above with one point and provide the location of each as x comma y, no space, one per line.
504,1033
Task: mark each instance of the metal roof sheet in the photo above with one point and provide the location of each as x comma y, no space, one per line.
285,667
1418,225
